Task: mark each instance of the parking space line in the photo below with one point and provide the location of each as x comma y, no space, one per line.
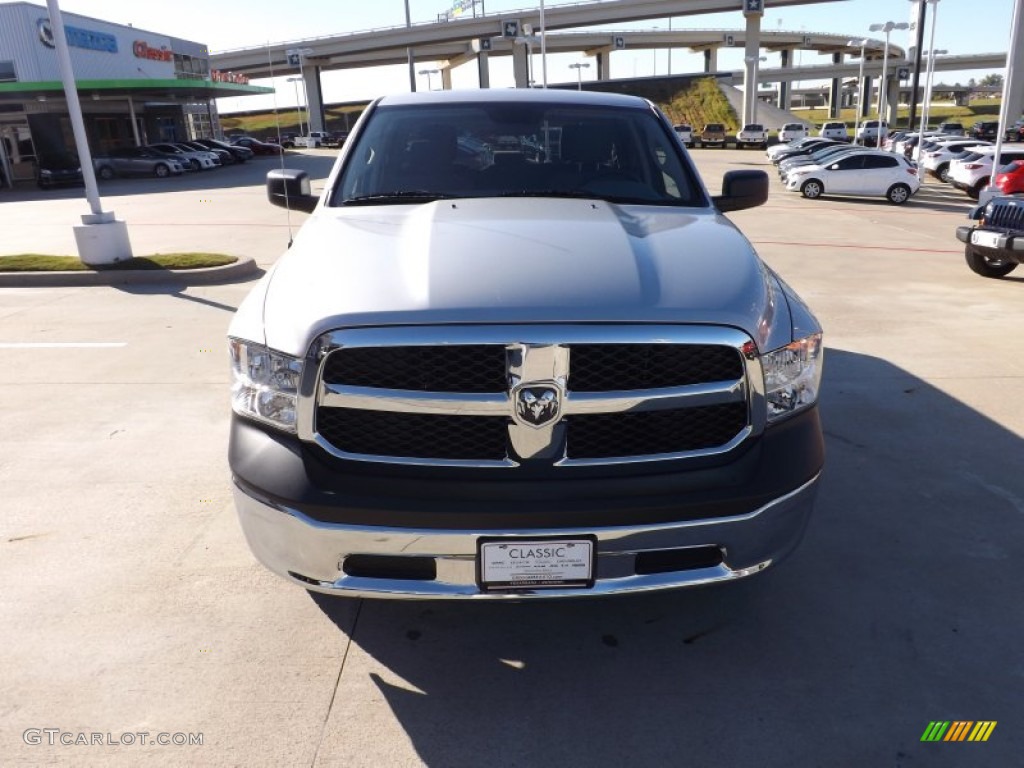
62,344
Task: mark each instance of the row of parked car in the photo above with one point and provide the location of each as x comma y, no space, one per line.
816,166
159,159
966,163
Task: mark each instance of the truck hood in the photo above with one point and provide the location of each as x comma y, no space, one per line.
518,260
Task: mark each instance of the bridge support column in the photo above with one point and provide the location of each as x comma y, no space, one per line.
601,58
750,62
521,66
892,99
835,90
446,78
784,85
483,70
866,89
314,97
710,60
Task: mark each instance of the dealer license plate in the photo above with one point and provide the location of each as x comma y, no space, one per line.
985,239
524,564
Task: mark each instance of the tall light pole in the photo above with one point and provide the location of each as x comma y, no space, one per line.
429,73
298,104
543,49
409,56
101,239
860,86
579,66
927,80
755,60
883,99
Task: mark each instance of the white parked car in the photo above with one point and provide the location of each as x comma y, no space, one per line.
752,135
190,159
792,132
937,161
834,130
874,173
971,173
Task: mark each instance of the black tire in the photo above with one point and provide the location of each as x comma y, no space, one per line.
985,266
194,164
106,172
161,171
898,194
943,173
975,192
812,189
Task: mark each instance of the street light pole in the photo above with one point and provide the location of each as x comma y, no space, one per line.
860,87
579,67
754,60
883,96
430,80
298,104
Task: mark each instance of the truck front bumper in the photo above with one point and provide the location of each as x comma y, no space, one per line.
313,554
993,243
355,530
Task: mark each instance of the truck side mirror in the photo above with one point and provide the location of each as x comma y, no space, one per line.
289,188
742,189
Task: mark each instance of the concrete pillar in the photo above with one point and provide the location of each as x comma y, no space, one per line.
784,85
892,99
603,61
750,55
314,97
711,60
521,66
867,86
835,90
483,70
446,78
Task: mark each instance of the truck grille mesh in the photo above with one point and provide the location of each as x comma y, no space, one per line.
605,367
455,368
414,435
1006,217
608,435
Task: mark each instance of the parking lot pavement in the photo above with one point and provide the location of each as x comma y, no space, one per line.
131,603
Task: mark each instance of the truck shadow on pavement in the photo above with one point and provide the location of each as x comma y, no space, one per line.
884,619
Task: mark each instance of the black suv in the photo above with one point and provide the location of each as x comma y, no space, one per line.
995,246
986,130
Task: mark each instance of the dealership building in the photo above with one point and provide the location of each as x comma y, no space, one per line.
135,87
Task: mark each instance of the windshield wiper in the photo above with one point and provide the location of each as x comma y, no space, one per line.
402,197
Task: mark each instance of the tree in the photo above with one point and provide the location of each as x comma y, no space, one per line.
994,79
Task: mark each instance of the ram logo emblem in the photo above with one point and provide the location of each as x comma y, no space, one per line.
537,405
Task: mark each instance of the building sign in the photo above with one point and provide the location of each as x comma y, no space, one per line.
142,50
78,38
228,77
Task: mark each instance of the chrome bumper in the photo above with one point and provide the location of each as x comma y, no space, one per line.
311,554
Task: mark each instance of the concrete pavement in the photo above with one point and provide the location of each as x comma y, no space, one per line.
130,603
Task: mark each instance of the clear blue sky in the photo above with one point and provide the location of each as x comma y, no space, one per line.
224,25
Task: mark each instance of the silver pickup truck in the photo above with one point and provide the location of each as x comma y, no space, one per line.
518,352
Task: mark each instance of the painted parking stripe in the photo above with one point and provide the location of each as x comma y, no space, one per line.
62,344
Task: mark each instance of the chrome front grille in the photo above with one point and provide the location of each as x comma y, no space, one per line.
493,396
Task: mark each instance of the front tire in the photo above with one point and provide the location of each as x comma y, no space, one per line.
812,189
898,194
106,173
944,173
987,266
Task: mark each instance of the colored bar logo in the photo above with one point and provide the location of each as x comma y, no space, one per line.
958,730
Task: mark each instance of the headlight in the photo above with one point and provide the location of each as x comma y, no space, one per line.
265,384
792,377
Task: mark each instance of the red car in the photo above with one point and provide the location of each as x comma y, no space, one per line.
1010,178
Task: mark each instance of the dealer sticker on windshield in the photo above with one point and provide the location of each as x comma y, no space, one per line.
524,564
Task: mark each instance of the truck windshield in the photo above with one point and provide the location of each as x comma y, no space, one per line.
416,153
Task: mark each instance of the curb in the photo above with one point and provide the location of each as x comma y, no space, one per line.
242,269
